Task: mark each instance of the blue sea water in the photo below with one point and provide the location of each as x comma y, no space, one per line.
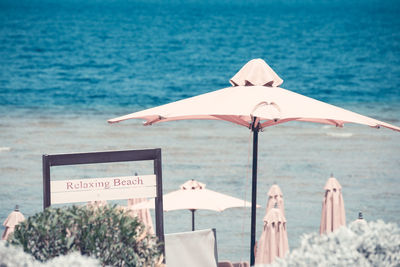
68,66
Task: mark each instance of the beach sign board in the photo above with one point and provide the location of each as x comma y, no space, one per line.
107,188
87,189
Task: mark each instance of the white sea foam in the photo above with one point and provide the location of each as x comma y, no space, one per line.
327,127
340,135
4,149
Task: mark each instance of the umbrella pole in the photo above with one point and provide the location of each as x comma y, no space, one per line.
192,219
255,130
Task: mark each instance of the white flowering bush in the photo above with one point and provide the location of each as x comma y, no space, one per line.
73,259
12,256
380,244
359,244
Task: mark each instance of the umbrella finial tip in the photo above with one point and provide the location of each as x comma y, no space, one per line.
16,207
331,174
360,215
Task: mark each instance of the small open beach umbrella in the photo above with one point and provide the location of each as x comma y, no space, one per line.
273,241
256,101
193,196
142,214
275,196
333,214
12,220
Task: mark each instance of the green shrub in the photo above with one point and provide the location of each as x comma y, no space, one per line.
106,233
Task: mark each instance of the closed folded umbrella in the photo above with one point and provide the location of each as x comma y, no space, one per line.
142,214
273,241
333,214
275,196
12,220
360,218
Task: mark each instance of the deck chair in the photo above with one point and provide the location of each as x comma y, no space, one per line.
225,264
194,249
241,264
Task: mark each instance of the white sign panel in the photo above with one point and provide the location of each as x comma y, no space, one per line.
109,188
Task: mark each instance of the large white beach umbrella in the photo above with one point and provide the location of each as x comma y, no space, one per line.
193,195
254,101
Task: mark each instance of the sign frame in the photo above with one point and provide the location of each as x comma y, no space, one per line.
49,161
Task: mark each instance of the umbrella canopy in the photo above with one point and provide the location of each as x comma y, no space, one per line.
12,220
273,241
193,196
275,196
254,101
333,215
142,214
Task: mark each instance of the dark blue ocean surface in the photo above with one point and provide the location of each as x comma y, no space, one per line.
73,56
